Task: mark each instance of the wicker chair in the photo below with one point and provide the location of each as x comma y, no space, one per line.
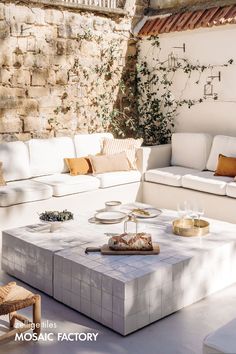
14,298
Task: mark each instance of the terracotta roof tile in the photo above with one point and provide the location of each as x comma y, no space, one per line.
190,20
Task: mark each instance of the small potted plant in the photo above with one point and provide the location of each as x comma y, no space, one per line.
56,218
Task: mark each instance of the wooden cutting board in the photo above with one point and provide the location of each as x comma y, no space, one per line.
107,251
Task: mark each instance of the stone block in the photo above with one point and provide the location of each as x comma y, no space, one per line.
31,44
5,76
39,15
39,77
49,102
32,124
8,102
16,29
2,11
28,107
20,14
41,61
53,17
65,31
89,48
62,77
51,80
38,91
21,77
29,59
4,29
10,125
61,47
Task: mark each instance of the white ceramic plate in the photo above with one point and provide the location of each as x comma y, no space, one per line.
110,217
153,213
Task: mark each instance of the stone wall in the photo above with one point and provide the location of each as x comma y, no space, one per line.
48,63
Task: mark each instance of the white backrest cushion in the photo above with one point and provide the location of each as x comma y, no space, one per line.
15,159
47,155
89,144
191,150
225,145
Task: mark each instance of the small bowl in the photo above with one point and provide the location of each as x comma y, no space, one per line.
113,205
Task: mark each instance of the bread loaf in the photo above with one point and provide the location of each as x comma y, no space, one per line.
129,241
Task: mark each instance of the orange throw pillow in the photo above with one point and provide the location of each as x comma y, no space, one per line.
79,166
226,166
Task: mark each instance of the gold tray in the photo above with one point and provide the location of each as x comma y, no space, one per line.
190,228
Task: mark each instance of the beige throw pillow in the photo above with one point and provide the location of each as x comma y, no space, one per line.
2,180
129,146
110,163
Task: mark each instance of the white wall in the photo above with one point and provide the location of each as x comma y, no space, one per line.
210,46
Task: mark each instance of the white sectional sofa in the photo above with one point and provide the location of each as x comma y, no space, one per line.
38,179
186,172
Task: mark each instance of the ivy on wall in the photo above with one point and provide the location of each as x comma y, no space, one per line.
129,96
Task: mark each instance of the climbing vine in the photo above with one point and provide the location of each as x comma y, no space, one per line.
157,106
127,95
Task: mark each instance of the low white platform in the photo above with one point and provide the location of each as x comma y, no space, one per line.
124,293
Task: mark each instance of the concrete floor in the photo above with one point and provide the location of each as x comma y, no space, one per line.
180,333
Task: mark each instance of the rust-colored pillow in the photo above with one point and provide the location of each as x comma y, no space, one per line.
2,180
226,166
79,166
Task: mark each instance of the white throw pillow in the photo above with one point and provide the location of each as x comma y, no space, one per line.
47,155
190,150
129,146
15,161
89,144
225,145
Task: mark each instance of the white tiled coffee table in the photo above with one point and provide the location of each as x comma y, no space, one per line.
124,293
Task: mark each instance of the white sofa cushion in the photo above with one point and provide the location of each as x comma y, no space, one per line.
47,155
19,192
171,176
89,144
222,340
206,182
64,184
231,189
15,159
190,150
225,145
111,179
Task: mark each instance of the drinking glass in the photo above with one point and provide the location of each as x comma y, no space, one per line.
198,211
182,210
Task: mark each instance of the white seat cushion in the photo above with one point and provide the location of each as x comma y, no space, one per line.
222,340
22,192
47,155
110,179
206,182
89,144
191,150
64,184
225,145
231,189
171,176
15,159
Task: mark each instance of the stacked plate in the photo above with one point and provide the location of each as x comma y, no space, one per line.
110,217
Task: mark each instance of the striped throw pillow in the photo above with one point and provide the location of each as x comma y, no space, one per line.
129,146
2,180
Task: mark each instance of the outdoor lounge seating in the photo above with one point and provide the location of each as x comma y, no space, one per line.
36,172
187,172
